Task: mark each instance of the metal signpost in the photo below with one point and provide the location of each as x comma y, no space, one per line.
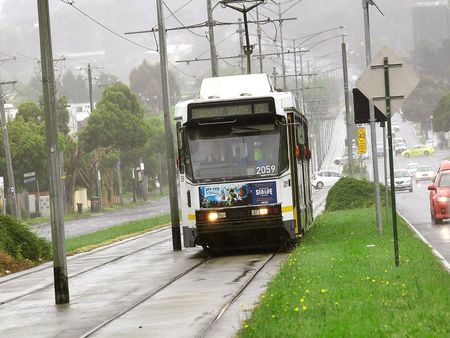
378,86
30,178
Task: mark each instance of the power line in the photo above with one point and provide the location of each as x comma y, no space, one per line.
71,3
173,14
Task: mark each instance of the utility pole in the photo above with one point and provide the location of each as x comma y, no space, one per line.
61,278
295,66
347,107
173,195
91,101
258,32
241,46
212,44
9,169
274,74
283,65
373,136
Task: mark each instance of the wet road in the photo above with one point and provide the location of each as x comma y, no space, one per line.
415,206
102,220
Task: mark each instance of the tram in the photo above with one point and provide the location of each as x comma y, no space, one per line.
243,160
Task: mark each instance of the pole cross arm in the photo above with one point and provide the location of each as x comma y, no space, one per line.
391,65
393,97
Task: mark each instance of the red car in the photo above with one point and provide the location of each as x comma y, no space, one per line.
440,196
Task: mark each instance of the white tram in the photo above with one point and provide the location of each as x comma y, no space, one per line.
243,165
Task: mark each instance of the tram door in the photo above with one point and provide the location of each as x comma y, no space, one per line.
294,173
303,178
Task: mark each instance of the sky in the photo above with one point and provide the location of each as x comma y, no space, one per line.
80,40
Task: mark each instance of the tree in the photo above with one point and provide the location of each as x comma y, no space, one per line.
419,106
117,121
74,87
30,111
115,129
145,81
28,149
441,115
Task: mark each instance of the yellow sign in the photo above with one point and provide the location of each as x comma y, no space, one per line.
362,149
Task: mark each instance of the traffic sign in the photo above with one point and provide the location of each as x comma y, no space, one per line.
361,108
362,145
30,174
402,81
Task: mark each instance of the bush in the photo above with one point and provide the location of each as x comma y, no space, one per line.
19,242
358,171
351,193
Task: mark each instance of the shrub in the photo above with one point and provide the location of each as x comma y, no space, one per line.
19,242
351,193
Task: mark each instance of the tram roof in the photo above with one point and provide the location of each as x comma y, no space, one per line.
238,87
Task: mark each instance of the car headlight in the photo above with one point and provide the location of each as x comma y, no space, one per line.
443,199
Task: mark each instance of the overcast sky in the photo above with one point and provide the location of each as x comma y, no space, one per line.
81,40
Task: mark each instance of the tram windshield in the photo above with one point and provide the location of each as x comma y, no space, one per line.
224,152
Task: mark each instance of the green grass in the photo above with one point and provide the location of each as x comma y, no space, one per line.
341,281
102,237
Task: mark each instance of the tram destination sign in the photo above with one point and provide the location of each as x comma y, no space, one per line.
228,109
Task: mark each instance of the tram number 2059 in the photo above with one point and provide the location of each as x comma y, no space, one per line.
265,169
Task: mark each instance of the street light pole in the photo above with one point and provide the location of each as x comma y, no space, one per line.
347,107
373,137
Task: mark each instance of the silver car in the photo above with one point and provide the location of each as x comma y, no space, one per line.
402,180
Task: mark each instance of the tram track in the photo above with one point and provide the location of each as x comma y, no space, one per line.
143,299
236,296
241,276
98,266
7,279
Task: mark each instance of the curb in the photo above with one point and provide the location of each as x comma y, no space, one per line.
433,250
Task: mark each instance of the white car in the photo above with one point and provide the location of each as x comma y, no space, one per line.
402,180
424,173
325,178
431,143
412,167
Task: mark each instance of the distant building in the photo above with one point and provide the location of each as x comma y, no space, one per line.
431,22
78,114
10,111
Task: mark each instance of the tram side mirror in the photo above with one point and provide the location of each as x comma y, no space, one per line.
180,158
308,154
432,187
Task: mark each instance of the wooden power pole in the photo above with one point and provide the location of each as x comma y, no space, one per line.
61,279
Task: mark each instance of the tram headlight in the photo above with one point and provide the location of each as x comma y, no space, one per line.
214,216
260,212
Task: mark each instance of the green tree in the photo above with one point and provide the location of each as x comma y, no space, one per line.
30,111
441,115
145,81
28,150
117,121
419,106
115,129
74,88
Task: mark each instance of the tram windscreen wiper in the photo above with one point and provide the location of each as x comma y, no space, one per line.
253,128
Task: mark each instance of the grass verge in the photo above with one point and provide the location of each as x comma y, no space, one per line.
342,282
103,237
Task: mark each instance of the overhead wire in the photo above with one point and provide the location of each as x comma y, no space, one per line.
182,24
71,3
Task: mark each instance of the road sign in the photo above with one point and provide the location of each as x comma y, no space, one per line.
402,81
362,145
361,108
27,180
30,174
